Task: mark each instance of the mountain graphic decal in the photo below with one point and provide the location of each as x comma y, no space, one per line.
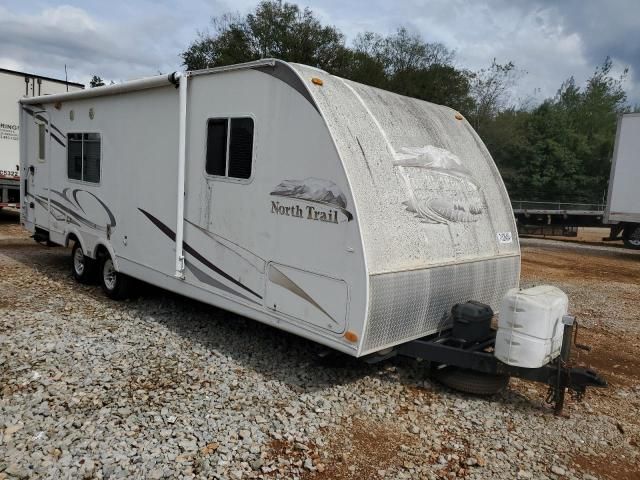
314,190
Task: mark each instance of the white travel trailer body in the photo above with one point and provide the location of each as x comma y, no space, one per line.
342,213
13,86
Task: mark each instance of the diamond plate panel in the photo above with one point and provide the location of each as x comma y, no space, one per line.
411,304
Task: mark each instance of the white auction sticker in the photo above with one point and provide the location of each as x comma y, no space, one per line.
505,237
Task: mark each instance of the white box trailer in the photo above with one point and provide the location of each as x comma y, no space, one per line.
623,200
15,85
343,213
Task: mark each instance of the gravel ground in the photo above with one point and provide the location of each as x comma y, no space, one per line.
165,387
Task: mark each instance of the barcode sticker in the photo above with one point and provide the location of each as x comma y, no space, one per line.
505,237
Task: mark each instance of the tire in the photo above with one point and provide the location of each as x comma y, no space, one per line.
469,381
115,285
631,237
83,268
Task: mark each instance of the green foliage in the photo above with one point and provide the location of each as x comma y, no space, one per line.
559,150
96,81
401,62
490,88
275,29
562,149
442,84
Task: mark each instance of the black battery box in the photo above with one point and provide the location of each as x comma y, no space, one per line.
471,321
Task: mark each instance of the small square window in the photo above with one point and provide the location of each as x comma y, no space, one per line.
83,156
229,147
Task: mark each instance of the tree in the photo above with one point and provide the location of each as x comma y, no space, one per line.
556,150
441,84
568,141
274,29
404,63
490,89
361,67
96,81
401,62
402,51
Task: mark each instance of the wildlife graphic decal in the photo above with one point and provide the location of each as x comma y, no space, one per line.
440,189
321,200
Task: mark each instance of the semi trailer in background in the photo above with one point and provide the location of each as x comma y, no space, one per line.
620,213
366,221
623,200
14,86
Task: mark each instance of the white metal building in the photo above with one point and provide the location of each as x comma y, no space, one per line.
14,86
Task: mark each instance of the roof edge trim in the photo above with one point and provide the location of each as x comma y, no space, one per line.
18,73
133,85
267,62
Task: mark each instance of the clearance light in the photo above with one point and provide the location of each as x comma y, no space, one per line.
459,116
317,81
351,336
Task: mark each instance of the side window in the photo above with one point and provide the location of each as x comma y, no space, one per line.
41,142
229,147
217,147
240,147
83,157
74,156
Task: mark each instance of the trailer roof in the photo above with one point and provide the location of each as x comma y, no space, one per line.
144,83
33,75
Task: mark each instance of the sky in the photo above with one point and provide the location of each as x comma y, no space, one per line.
548,40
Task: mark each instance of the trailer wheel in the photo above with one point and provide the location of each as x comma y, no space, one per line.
469,381
115,285
631,237
83,268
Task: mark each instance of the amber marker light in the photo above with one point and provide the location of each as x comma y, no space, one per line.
459,116
351,336
317,81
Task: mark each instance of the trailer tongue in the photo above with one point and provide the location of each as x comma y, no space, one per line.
533,342
559,375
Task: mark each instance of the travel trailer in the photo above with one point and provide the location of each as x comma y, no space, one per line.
13,86
346,214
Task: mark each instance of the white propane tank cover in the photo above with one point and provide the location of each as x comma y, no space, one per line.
530,326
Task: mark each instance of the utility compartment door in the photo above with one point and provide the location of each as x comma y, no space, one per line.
315,299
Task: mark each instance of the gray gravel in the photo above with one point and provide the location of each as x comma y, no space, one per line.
164,387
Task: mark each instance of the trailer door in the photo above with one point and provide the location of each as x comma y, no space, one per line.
37,174
219,223
33,158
